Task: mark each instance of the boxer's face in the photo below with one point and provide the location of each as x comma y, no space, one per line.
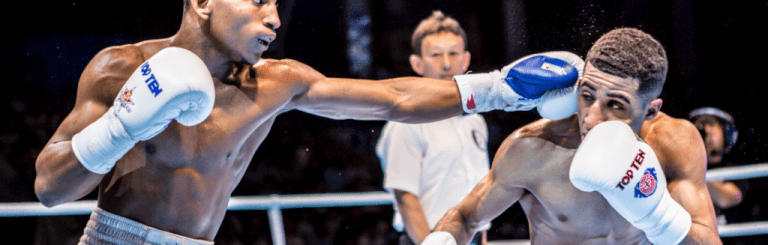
442,56
604,97
243,29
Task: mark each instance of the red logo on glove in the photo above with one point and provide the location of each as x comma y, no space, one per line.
471,102
647,184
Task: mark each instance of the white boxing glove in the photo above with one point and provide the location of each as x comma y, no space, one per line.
439,238
615,162
544,80
172,84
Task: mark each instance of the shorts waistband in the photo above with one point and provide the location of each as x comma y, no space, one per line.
108,228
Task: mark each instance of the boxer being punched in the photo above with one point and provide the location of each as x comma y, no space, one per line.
166,128
619,171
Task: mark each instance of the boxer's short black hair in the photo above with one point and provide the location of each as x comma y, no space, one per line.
629,52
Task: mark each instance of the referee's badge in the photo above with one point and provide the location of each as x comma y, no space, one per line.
480,141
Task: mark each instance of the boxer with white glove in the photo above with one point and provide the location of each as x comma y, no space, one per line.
615,162
544,80
172,84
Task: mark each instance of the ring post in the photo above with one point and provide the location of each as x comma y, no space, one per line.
276,221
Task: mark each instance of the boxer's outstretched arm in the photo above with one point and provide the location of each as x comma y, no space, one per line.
418,99
60,176
406,99
682,152
490,197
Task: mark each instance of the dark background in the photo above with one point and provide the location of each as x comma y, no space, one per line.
716,51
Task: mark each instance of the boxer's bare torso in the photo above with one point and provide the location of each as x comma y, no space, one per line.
557,212
181,180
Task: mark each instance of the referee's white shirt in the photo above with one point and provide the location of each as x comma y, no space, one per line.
438,162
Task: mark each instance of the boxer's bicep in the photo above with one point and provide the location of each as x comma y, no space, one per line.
685,164
60,176
98,87
694,197
484,203
492,196
696,201
497,191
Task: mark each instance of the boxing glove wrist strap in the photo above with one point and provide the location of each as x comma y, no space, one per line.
482,92
669,223
469,100
102,143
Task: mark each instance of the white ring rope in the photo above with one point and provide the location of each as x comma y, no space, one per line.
310,200
743,229
21,209
741,172
274,203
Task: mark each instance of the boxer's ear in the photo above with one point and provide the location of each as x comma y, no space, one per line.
653,109
200,7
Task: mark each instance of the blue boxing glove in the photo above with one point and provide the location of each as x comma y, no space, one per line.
534,75
545,81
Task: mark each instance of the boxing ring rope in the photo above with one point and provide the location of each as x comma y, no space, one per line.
275,203
741,172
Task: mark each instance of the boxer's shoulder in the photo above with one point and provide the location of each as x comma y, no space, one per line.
542,136
284,69
563,133
107,71
666,132
677,144
265,66
127,57
526,156
119,58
